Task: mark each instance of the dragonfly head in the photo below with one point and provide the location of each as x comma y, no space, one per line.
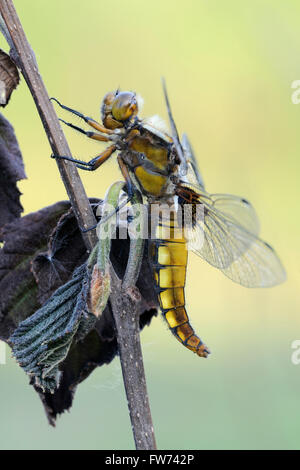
118,108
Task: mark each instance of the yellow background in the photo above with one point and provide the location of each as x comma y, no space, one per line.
229,68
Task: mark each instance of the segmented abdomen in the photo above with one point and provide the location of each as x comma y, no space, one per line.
168,254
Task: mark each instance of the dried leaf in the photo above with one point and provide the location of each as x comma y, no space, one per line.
9,77
65,252
11,171
23,239
42,341
26,245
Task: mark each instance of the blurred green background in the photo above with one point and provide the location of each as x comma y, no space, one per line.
229,68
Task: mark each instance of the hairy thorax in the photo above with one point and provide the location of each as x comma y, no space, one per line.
154,163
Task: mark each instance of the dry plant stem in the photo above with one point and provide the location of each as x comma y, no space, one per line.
124,307
127,324
69,174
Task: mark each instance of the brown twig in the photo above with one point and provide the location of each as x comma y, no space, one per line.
127,326
124,306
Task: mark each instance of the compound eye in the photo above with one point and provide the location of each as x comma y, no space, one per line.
124,106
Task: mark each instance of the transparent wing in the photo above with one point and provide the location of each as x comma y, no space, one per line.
259,266
174,131
225,235
226,232
238,210
190,172
219,235
223,229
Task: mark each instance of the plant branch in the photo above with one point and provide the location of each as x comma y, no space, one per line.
125,310
124,304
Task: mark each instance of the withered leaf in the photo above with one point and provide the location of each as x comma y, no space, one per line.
25,290
11,171
23,239
9,77
42,341
100,345
65,251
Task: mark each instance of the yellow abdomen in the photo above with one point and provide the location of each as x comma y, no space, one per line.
168,253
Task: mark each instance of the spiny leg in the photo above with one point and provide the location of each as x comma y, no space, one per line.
126,176
131,191
89,134
91,122
108,216
93,164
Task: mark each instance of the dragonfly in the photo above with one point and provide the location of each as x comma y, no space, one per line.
164,169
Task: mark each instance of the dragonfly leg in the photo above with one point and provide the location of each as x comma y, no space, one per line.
115,211
93,164
130,189
91,122
131,192
89,134
126,176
